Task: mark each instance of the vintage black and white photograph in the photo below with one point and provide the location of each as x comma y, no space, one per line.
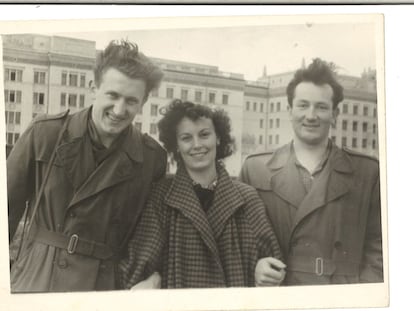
246,155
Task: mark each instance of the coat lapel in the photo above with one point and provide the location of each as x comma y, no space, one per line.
182,197
333,182
227,200
285,180
76,156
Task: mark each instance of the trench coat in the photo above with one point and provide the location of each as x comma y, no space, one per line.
195,249
101,205
331,235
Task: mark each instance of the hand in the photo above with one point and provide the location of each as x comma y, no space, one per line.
152,282
269,272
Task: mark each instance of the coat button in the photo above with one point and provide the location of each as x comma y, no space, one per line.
72,214
338,244
62,263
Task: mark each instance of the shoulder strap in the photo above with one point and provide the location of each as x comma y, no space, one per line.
48,169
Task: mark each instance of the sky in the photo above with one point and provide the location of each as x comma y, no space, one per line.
246,50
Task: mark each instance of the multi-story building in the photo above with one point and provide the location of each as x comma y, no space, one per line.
44,74
49,74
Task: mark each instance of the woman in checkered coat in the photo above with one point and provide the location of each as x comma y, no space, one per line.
201,228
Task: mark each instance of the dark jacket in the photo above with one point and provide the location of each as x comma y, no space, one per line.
191,248
333,235
99,204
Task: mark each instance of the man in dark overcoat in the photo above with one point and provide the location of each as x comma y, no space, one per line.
323,201
85,178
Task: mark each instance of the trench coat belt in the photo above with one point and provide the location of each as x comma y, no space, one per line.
322,266
73,244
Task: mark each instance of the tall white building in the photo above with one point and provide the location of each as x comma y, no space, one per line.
50,74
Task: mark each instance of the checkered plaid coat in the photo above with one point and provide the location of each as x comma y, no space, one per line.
192,248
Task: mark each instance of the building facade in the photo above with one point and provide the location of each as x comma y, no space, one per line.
50,74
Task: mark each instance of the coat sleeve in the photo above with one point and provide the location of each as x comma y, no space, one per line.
266,241
20,177
372,261
145,246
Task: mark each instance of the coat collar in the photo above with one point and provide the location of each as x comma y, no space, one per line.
210,225
76,156
286,181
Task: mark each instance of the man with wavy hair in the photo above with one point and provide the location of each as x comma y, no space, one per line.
85,178
323,201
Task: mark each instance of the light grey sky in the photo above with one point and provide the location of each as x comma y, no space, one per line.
247,50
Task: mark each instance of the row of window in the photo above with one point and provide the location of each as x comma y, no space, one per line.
198,96
255,107
355,126
355,143
153,127
355,110
72,100
16,75
276,123
73,79
13,117
270,140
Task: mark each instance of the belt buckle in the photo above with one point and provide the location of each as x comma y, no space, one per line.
73,242
319,266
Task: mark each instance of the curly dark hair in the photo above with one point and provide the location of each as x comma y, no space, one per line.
126,57
318,72
177,110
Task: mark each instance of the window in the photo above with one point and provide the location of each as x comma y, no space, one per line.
73,79
16,136
364,126
138,126
211,98
277,123
154,93
355,126
278,106
82,80
254,106
345,108
354,142
38,98
364,143
261,123
261,107
343,141
154,110
247,106
64,77
39,77
365,110
374,144
10,138
153,129
374,128
355,111
170,92
63,99
277,139
270,139
17,118
271,123
225,99
12,96
184,94
272,107
72,100
260,139
198,95
375,112
344,125
15,75
81,101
